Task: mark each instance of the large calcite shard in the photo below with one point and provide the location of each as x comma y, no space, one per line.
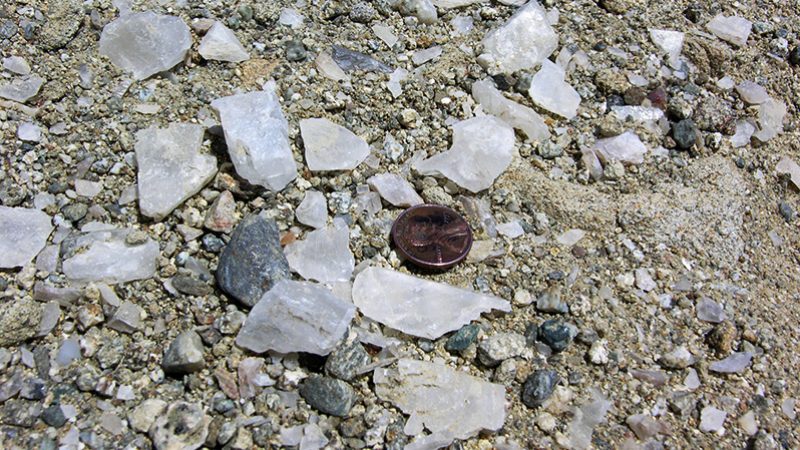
518,116
330,146
525,40
550,91
417,306
145,43
221,44
23,234
257,135
482,149
449,403
296,316
171,167
324,255
109,256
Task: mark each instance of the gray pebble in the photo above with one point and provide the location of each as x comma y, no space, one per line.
538,387
345,361
295,51
328,395
184,355
462,338
191,286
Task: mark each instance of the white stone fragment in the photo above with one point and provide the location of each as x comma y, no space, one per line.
395,78
734,363
313,210
733,29
106,256
752,93
787,408
417,306
29,132
587,417
448,402
88,189
770,119
710,311
221,44
17,65
748,423
712,419
145,43
668,41
726,83
518,116
394,189
638,114
525,40
291,18
550,91
644,281
385,34
462,25
786,166
328,67
21,89
23,234
324,255
511,230
571,237
296,316
627,148
330,146
420,57
171,167
257,135
482,150
744,131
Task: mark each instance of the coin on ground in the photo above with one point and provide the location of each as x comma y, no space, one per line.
432,236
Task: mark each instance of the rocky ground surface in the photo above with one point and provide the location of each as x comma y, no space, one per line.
195,202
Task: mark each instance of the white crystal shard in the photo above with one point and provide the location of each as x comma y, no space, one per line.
328,67
394,189
511,230
732,29
669,42
29,132
385,34
734,363
448,402
525,40
145,43
461,25
712,419
770,119
752,93
313,210
21,89
23,234
296,316
417,306
627,147
786,166
422,56
86,188
17,64
744,131
170,167
482,150
571,237
637,114
324,255
330,146
550,91
586,417
106,256
221,44
511,112
291,18
395,78
257,135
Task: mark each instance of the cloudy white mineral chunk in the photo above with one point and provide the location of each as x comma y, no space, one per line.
17,65
324,255
145,43
786,166
395,78
296,316
734,363
712,419
29,132
291,18
23,234
328,67
710,311
586,418
171,167
732,29
313,210
448,402
107,256
221,44
550,91
627,148
394,189
744,131
482,150
511,230
525,40
752,93
520,117
385,34
257,135
21,89
462,25
668,41
330,146
571,237
417,306
422,56
770,119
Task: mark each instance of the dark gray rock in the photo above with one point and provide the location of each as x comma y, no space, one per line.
253,261
295,51
794,56
462,338
538,387
54,416
12,193
350,60
184,355
20,413
786,211
328,395
555,334
684,133
362,12
346,360
33,389
191,286
75,211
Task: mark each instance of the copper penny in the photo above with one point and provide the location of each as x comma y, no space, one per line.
432,236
